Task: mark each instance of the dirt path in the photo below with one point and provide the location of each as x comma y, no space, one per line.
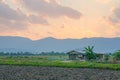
53,73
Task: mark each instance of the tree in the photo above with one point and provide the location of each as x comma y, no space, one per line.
116,55
89,53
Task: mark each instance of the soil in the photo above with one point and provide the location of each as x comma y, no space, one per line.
9,72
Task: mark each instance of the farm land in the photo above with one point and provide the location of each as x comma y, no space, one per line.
55,67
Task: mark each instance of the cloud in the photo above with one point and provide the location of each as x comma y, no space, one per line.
10,18
114,18
50,9
37,20
113,22
12,24
8,13
15,19
39,10
116,12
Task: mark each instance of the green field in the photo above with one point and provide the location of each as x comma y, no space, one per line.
53,61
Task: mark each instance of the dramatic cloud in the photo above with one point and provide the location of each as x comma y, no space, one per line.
33,12
50,8
60,18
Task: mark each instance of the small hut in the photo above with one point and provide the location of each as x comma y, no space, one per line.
74,55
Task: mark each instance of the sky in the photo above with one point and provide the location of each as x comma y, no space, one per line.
61,19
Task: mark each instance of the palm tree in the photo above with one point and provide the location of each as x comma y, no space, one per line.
90,54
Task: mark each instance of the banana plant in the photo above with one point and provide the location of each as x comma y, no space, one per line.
89,53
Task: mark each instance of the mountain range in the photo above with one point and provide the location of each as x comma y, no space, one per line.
17,44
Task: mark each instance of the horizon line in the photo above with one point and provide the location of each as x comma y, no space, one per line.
58,38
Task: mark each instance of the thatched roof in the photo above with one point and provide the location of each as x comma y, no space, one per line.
74,52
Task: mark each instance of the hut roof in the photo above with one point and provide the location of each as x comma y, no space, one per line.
74,52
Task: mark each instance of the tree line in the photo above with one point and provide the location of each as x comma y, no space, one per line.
30,53
91,55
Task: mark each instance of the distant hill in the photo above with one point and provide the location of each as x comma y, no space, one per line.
15,44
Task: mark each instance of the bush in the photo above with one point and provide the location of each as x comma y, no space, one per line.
116,55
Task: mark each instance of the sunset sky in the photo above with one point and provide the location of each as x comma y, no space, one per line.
36,19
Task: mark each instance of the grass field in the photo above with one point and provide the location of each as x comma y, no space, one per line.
44,61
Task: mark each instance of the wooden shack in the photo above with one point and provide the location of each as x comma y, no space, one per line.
75,55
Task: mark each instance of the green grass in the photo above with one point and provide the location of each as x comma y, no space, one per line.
43,61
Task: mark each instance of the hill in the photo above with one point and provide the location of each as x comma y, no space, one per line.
15,44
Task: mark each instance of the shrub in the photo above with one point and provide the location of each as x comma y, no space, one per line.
116,55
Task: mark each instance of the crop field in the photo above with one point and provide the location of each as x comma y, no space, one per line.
11,72
54,61
55,68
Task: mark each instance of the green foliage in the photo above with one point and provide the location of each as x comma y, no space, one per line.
116,55
43,61
90,54
52,53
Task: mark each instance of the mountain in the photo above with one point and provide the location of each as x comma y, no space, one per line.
16,44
